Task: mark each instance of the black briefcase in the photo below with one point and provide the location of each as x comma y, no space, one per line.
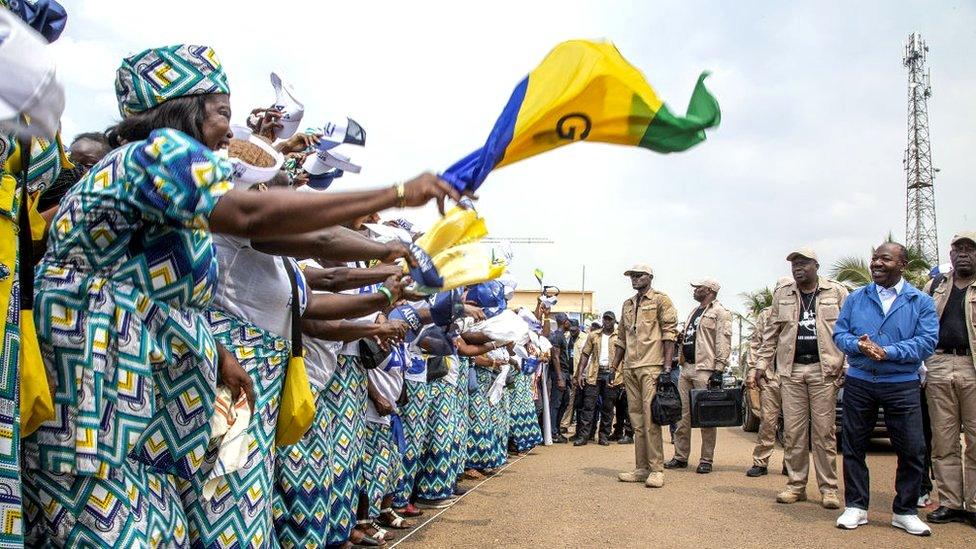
716,407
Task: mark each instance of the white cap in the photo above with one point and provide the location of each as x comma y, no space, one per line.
325,161
30,84
292,110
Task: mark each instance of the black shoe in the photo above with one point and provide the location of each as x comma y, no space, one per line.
757,471
604,442
560,440
626,440
703,468
945,515
676,463
971,519
459,491
614,437
563,430
784,473
579,442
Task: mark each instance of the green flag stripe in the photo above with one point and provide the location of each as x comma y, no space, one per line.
669,133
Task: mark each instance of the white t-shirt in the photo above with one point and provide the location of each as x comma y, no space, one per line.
321,356
254,286
388,384
352,348
604,350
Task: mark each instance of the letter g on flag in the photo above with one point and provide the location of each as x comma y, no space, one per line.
568,125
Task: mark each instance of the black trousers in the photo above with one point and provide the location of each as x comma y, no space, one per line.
592,394
903,417
616,405
558,399
927,431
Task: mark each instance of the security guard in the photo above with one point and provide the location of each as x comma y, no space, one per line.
950,386
810,367
645,346
705,349
770,401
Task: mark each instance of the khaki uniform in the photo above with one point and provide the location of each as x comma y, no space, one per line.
950,390
713,344
808,391
769,396
592,347
647,323
567,418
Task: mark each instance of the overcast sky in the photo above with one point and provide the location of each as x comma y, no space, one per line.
809,151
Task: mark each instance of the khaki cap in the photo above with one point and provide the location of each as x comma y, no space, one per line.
640,268
803,252
707,282
965,235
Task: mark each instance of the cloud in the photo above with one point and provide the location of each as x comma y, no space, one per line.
809,150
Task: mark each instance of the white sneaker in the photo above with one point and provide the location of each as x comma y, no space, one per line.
852,518
911,524
924,501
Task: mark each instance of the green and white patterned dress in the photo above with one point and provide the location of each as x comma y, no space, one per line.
45,167
119,309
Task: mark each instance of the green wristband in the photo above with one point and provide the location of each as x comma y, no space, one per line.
386,291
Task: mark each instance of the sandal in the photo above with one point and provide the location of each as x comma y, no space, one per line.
364,540
473,474
398,522
409,511
371,530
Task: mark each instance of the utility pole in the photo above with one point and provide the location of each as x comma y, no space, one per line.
920,226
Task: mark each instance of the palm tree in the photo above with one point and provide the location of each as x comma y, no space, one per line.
855,272
755,302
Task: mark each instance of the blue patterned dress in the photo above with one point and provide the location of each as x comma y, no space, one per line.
482,429
414,416
459,446
303,483
435,475
347,404
121,291
524,433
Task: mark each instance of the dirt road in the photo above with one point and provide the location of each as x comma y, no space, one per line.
561,496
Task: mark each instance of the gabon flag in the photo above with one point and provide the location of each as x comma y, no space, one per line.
585,91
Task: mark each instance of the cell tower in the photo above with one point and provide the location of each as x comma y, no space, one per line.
920,232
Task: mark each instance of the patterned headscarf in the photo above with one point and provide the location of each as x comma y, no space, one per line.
156,75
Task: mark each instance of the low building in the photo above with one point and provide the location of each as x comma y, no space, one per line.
572,302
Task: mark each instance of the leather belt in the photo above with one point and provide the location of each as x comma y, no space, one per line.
957,352
806,359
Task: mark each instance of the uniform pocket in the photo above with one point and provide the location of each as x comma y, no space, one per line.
786,310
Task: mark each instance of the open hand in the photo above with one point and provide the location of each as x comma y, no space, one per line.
426,187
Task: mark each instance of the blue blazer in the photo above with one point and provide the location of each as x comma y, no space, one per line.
908,333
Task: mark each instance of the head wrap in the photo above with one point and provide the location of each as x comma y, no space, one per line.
45,16
156,75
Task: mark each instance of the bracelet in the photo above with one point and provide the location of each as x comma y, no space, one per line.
386,291
401,195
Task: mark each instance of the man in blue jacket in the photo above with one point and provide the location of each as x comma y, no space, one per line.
886,329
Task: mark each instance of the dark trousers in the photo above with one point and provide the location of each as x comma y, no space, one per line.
592,397
903,417
927,431
617,402
558,399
